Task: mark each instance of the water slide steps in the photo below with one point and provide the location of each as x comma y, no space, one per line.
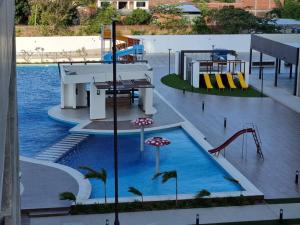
219,82
207,81
230,81
243,83
60,148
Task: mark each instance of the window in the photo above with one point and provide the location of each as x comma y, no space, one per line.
140,4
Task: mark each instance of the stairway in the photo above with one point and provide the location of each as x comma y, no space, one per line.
59,149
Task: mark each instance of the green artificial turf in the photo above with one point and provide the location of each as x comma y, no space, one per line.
174,81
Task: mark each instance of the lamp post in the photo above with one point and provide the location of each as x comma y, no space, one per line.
169,60
117,222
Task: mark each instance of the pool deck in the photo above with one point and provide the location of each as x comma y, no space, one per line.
181,216
165,117
40,192
279,128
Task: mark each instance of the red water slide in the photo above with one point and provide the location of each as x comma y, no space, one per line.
236,135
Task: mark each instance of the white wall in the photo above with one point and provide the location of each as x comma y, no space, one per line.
161,43
58,44
152,43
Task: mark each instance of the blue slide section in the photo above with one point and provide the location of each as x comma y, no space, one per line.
133,50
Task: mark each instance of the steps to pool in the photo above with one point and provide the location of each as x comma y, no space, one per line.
57,150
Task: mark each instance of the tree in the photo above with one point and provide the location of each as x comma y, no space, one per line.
138,17
22,11
202,193
230,20
167,176
68,196
200,27
234,21
291,9
102,17
100,175
136,192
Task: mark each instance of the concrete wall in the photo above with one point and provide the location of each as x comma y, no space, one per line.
152,43
161,43
58,44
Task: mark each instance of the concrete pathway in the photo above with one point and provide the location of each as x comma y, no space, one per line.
181,217
278,126
43,184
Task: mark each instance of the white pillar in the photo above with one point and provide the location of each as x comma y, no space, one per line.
157,169
142,138
184,68
68,96
97,103
230,57
177,55
298,78
148,101
81,95
196,70
247,78
142,97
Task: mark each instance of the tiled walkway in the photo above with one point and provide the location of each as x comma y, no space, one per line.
279,128
43,184
181,217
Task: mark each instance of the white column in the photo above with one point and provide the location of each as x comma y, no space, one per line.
247,78
142,97
196,70
148,102
177,54
298,78
157,169
81,95
97,103
230,57
184,68
68,95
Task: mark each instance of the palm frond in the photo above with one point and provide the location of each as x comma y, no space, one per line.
103,175
156,175
231,179
135,191
67,196
169,175
90,170
202,193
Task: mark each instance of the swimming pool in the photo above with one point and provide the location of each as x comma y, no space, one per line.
38,90
196,170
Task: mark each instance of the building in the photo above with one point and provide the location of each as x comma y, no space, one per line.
90,85
257,7
126,5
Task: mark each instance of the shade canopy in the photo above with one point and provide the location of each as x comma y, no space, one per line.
157,141
142,121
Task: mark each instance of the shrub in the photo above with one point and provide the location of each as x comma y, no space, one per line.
138,17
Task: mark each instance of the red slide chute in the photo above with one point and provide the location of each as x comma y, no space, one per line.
236,135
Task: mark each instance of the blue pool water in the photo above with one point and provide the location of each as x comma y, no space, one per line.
196,170
38,90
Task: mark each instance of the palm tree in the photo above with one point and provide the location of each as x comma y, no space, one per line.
167,176
68,196
202,193
93,174
136,192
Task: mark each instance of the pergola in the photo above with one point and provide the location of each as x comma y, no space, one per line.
287,52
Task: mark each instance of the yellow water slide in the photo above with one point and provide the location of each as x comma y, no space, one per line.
230,81
207,81
243,83
219,81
